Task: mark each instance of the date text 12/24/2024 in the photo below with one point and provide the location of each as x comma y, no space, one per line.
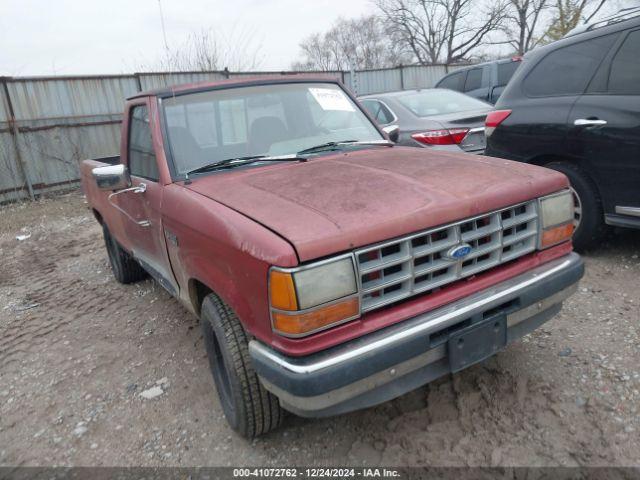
316,472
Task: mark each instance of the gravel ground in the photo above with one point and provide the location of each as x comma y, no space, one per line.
77,350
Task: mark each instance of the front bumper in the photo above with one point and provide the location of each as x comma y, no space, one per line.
392,361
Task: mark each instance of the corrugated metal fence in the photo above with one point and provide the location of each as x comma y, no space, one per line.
49,124
399,78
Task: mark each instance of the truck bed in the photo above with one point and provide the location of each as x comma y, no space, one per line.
97,199
111,160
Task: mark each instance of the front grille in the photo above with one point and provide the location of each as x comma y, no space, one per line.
419,263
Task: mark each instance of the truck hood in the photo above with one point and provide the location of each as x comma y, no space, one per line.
346,200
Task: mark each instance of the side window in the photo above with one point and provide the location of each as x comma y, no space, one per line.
474,80
453,82
567,71
506,71
142,157
624,77
378,111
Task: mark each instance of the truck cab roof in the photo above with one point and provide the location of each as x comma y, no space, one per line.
232,83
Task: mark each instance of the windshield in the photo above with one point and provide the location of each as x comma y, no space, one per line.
280,119
440,101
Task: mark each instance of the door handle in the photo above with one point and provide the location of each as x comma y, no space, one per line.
587,122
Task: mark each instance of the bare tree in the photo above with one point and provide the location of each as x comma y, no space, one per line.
442,31
522,22
208,51
360,43
569,14
318,54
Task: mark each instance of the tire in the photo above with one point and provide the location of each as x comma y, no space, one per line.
249,408
125,268
589,224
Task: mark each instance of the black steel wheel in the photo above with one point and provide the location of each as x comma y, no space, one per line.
249,408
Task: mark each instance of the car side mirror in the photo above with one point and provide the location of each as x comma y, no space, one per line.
112,177
392,131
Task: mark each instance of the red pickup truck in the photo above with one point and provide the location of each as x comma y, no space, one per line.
331,270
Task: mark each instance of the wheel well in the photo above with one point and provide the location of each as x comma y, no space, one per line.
197,292
543,160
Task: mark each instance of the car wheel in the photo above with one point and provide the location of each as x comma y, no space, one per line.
249,408
577,209
589,226
124,266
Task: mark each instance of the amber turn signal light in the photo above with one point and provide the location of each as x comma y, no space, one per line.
304,323
555,235
282,291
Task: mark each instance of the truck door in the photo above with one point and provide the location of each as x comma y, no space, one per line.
144,222
605,131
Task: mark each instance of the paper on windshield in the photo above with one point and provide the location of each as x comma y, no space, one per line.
330,99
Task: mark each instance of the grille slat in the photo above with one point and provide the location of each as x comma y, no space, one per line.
422,251
482,251
418,263
513,221
467,237
383,283
518,237
432,267
420,288
382,265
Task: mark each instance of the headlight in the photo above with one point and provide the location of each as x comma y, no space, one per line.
311,298
556,218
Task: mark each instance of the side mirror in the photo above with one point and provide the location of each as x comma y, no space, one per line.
112,177
392,131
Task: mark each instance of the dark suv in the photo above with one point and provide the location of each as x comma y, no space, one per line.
574,106
484,81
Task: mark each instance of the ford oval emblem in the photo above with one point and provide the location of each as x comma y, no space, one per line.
459,251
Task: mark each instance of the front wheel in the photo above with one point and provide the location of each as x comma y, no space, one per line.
249,408
589,215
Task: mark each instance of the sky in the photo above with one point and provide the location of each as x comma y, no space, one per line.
69,37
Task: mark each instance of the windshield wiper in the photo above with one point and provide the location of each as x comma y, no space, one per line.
333,145
239,161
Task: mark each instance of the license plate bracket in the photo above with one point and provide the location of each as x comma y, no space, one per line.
477,342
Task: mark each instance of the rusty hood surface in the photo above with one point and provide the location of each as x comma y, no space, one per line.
341,201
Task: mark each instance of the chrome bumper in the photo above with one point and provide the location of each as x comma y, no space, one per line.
387,363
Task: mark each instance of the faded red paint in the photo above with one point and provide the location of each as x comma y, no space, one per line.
347,200
232,82
233,225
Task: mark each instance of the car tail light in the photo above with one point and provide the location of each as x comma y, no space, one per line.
494,119
452,136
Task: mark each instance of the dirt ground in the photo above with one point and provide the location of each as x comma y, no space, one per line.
77,349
